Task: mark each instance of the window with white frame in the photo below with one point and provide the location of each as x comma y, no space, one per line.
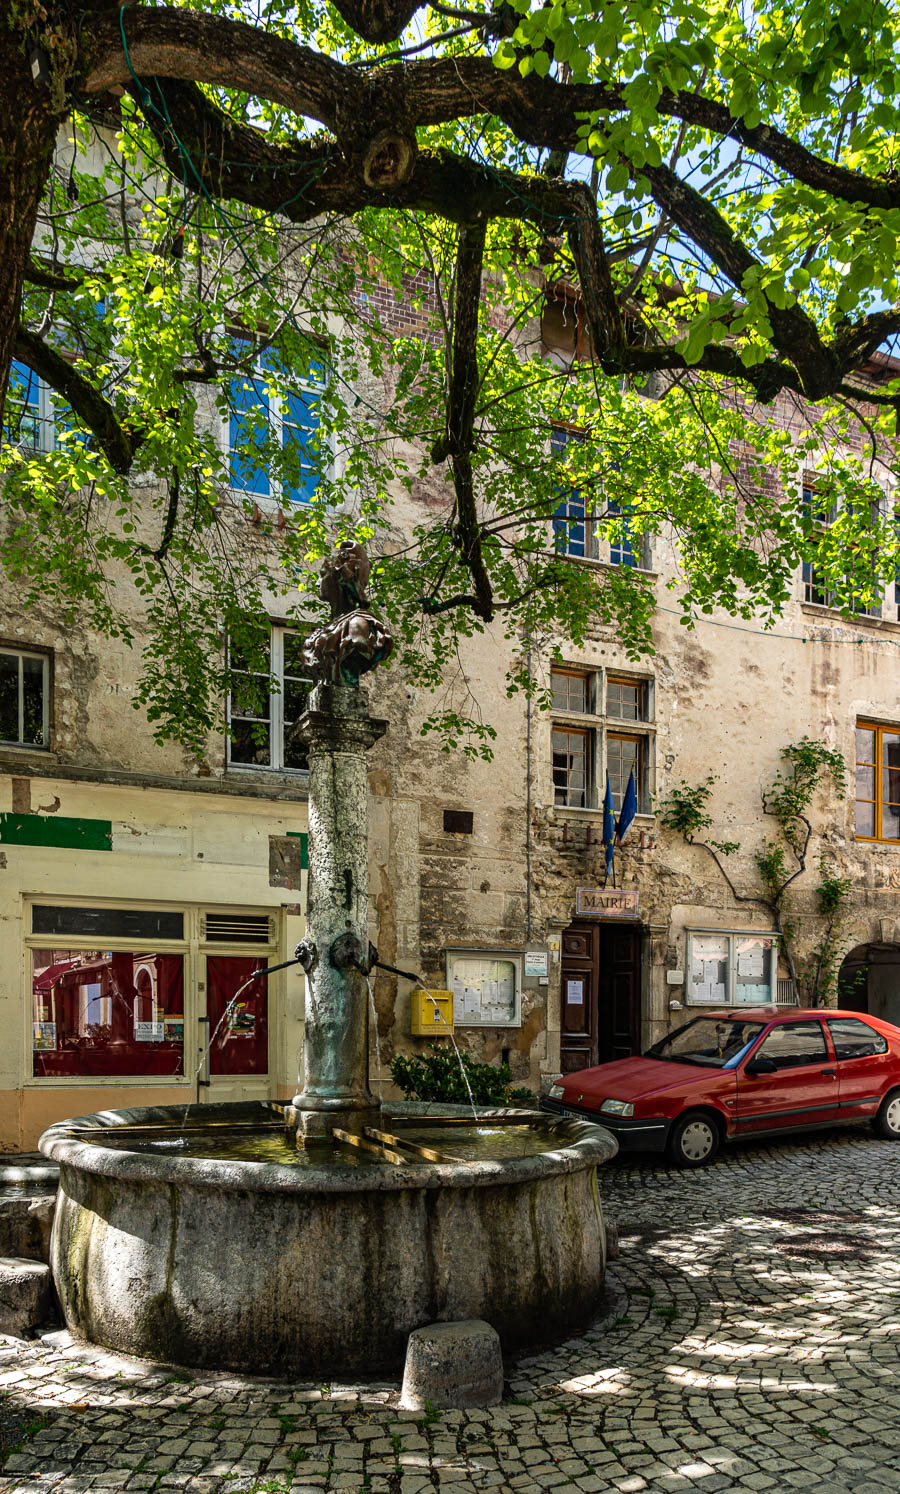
602,723
262,420
263,707
731,968
28,417
24,698
579,533
816,591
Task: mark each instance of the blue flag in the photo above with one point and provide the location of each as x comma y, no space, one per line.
609,826
628,810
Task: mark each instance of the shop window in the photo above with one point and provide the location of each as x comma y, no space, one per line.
261,421
239,1027
99,1012
24,698
731,969
877,782
263,708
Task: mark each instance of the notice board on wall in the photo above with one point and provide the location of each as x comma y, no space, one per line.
486,988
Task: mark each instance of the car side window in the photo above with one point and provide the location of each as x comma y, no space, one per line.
855,1039
791,1045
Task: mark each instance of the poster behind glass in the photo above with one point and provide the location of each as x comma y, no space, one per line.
753,970
107,1012
708,984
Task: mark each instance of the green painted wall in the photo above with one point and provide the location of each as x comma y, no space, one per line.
55,830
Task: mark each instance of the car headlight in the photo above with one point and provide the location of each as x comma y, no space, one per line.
556,1091
617,1107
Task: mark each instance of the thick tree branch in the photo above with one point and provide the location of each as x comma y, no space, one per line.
50,278
598,293
461,403
88,403
795,334
196,47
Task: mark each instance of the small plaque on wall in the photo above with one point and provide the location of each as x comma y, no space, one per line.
606,902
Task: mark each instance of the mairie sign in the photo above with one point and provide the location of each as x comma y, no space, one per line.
606,902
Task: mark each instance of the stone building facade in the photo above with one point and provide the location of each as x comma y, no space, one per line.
138,891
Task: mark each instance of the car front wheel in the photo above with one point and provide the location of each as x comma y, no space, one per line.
694,1140
887,1121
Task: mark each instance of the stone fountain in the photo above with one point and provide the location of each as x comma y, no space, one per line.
312,1239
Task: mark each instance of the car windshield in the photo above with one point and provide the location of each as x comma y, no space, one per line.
713,1042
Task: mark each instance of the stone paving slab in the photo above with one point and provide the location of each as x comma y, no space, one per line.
758,1351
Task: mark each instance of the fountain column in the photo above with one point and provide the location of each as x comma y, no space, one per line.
336,953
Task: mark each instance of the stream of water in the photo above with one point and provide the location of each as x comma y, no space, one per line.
459,1059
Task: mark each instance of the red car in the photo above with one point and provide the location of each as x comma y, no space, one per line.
751,1073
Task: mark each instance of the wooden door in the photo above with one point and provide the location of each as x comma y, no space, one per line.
619,993
600,1004
578,1001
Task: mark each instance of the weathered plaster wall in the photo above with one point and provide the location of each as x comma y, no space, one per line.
182,848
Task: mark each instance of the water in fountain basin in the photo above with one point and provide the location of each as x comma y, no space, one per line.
464,1143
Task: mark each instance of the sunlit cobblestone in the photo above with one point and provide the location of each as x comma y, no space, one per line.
752,1345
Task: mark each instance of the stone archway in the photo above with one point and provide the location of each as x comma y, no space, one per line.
869,981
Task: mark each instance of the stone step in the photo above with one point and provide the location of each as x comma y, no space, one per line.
25,1219
26,1296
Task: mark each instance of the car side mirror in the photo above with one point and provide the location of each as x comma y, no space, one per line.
761,1066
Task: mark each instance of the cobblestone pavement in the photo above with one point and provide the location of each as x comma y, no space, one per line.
759,1351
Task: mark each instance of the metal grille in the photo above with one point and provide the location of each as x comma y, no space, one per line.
237,928
785,994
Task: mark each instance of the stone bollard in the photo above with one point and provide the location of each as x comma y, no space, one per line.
612,1239
452,1366
25,1296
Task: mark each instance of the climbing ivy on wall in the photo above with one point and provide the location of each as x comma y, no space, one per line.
782,858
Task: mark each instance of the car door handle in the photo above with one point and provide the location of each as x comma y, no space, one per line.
828,1071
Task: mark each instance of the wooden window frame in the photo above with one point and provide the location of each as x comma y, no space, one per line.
641,686
641,760
879,728
576,674
588,737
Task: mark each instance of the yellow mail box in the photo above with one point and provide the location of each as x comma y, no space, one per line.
431,1013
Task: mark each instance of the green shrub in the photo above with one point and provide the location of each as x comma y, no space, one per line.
436,1075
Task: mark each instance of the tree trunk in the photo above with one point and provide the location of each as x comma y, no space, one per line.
28,125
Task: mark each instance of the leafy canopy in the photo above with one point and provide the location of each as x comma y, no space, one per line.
244,196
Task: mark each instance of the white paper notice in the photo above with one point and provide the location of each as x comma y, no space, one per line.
472,1000
575,992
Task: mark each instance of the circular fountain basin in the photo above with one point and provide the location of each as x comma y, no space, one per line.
199,1236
